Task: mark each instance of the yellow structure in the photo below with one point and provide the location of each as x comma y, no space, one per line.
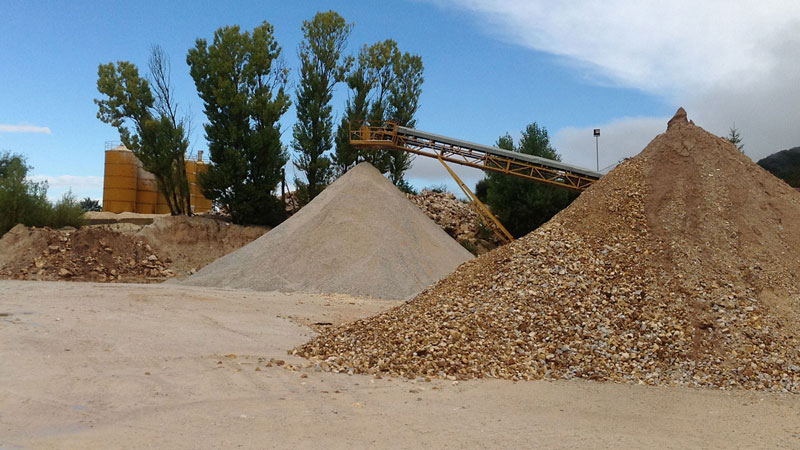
198,200
119,182
127,187
146,192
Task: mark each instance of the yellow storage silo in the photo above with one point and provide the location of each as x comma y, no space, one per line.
161,205
119,181
199,202
146,192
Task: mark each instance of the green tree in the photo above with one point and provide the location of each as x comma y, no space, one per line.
386,85
355,112
24,201
21,200
360,82
403,102
242,82
378,60
322,67
523,205
158,138
735,138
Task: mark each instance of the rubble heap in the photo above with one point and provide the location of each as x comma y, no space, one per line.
677,268
85,254
458,219
191,243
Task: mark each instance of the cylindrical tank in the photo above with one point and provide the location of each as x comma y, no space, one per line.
161,205
146,192
119,181
199,202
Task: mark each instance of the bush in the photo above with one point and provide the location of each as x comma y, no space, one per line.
440,189
468,246
482,190
406,187
88,204
67,212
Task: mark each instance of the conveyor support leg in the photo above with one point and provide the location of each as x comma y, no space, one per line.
483,211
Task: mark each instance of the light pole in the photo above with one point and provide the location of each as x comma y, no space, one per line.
597,146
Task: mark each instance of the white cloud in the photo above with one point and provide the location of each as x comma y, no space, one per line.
651,45
81,186
5,128
723,61
619,139
427,172
69,181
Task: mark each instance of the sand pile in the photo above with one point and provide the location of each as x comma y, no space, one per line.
85,254
680,267
193,242
361,236
458,219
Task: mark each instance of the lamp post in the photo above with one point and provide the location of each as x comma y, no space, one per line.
597,146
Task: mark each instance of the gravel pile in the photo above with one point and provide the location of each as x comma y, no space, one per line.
193,242
679,267
361,237
85,254
458,219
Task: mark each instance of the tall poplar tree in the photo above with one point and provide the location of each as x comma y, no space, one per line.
322,66
158,136
385,85
242,82
403,102
356,109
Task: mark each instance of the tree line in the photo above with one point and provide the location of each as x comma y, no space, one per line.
243,81
25,201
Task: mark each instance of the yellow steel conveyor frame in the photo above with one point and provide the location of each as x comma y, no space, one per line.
390,135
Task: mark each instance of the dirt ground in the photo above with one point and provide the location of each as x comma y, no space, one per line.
166,366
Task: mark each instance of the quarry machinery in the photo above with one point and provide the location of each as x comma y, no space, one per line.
390,135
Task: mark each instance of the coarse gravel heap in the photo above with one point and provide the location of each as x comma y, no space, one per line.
458,219
680,267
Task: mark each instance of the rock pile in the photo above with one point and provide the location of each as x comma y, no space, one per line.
360,236
458,219
85,254
191,243
679,267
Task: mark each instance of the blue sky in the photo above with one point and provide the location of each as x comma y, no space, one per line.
490,67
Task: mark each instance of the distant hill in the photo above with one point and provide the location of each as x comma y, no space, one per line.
785,165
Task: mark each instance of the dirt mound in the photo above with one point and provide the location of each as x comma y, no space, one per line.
678,267
85,254
361,236
458,219
193,242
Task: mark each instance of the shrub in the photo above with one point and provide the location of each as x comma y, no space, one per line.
89,204
441,189
406,187
67,212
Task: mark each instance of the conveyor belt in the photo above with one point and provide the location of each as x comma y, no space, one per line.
392,136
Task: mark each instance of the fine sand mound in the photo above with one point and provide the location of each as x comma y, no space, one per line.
193,242
361,236
679,267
